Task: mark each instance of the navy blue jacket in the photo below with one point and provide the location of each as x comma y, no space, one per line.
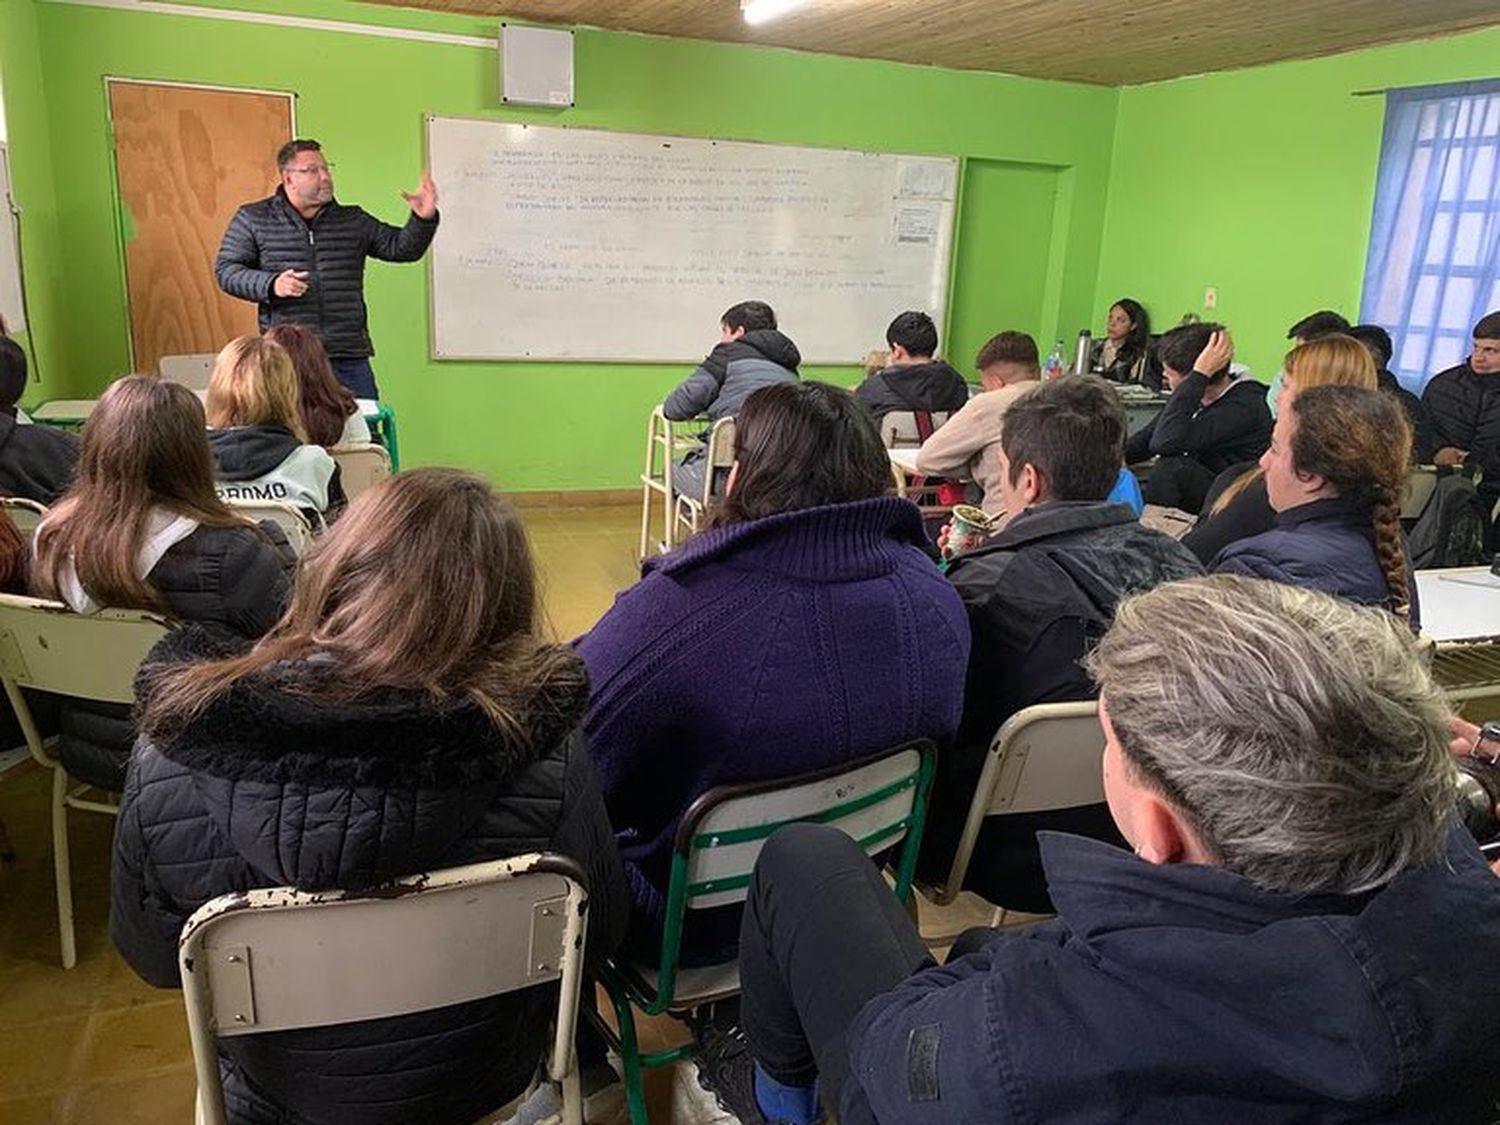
1185,995
1326,545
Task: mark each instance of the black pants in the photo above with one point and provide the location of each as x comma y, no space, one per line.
821,935
1178,482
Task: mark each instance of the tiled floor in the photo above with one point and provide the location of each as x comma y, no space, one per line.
94,1045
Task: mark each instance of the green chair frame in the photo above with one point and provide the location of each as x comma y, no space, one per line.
629,987
383,430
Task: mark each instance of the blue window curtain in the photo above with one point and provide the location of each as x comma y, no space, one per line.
1434,261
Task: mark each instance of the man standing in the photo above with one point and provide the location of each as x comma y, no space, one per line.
301,256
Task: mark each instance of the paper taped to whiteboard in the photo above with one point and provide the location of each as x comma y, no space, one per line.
561,243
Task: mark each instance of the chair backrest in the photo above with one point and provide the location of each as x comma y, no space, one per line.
45,645
192,371
877,800
899,428
286,516
1421,482
361,466
275,959
1046,756
25,514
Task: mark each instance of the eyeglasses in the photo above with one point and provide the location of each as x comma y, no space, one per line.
313,171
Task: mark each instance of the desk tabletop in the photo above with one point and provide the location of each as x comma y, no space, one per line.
1459,603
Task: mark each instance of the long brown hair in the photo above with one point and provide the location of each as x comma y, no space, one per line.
802,445
326,403
1328,361
144,446
426,582
1359,441
253,384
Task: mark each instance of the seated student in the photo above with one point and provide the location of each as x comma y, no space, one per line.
1123,354
750,354
805,628
968,444
1334,474
1465,412
142,528
913,380
1303,932
1214,419
1314,326
36,462
384,728
330,414
1236,506
1038,595
257,437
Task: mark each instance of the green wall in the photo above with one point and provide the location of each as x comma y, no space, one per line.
1260,182
29,143
555,426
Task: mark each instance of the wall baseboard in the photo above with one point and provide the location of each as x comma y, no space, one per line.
582,498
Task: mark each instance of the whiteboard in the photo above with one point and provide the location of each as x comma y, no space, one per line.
561,243
12,311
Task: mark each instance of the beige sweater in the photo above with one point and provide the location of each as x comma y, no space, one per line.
968,444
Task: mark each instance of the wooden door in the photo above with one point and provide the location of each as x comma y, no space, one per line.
185,158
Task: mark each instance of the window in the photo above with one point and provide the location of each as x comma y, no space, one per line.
1434,263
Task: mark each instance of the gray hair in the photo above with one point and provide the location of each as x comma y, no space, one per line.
1300,735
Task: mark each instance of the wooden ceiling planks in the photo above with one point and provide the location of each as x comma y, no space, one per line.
1108,42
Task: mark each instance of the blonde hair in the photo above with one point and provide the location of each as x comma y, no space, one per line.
1329,361
254,384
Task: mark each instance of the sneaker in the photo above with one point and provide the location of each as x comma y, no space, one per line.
726,1069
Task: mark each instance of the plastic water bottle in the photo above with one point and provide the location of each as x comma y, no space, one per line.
1054,365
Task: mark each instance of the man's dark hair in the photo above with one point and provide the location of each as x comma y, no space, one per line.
802,445
1324,322
749,315
1179,348
1072,432
287,154
1488,327
12,372
1377,342
1009,347
915,332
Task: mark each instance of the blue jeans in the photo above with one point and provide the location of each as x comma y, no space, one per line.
357,375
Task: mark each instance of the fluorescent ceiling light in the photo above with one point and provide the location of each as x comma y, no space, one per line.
761,11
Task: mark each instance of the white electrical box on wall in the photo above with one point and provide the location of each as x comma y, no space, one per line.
536,65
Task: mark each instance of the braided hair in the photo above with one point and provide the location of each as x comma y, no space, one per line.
1359,441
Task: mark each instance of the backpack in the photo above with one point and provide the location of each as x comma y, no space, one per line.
1450,530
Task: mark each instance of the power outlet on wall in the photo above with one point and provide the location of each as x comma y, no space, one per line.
1211,298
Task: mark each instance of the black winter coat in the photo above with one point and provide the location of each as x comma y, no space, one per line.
934,387
234,578
1039,595
36,462
1235,427
269,788
1464,408
269,236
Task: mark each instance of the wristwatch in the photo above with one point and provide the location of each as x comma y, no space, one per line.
1489,737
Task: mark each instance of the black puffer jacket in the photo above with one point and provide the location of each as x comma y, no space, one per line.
36,462
933,387
1464,408
1039,595
235,578
269,788
269,236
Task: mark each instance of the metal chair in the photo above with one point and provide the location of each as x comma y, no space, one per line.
666,440
361,466
718,454
878,801
192,371
24,513
270,960
1046,756
45,646
903,429
65,413
288,517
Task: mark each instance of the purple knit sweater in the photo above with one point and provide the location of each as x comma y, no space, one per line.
764,650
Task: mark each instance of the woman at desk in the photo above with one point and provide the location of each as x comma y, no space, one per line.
1123,355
